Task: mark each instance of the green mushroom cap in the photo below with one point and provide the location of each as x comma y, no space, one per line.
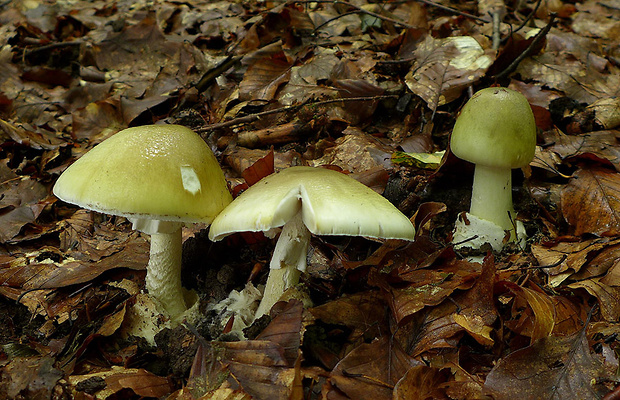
163,172
496,128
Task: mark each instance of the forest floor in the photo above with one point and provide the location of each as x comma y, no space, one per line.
369,88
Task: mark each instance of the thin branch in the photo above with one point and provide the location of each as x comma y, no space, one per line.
529,17
539,36
254,117
452,10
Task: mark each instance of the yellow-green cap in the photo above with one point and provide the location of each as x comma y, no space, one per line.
331,203
496,128
164,172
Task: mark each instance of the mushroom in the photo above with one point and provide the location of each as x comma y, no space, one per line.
305,200
497,132
159,177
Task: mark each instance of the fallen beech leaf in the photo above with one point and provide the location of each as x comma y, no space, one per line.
465,385
429,287
259,367
570,63
117,379
260,169
264,77
37,140
371,370
29,378
361,312
471,311
566,258
422,382
355,151
533,312
608,296
47,275
226,394
21,202
602,144
286,330
445,67
142,382
478,318
550,368
590,202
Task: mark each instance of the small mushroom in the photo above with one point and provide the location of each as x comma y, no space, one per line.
497,132
159,177
305,200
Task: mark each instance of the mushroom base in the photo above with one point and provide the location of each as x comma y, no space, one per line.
473,232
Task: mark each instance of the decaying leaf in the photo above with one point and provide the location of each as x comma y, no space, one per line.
118,379
421,382
591,200
608,296
445,67
29,377
556,367
370,371
533,312
430,287
362,313
601,144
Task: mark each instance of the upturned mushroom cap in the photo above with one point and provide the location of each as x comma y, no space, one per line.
331,203
496,128
164,172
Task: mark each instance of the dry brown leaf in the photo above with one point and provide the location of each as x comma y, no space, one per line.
429,287
29,378
264,77
363,313
38,139
570,63
355,151
286,330
550,368
445,67
567,258
259,367
465,385
478,313
471,311
132,254
591,200
601,144
370,371
118,379
422,382
141,382
533,312
608,296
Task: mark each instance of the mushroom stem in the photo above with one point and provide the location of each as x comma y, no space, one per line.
287,262
163,277
491,197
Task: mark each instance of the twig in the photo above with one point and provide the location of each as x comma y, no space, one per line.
452,10
333,19
209,77
52,46
555,264
539,36
529,17
257,116
360,10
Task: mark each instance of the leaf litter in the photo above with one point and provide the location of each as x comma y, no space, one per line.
370,89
